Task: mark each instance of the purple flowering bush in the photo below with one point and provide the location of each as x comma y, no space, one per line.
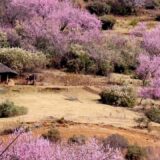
151,91
149,71
151,41
50,25
150,38
28,147
139,30
153,153
149,64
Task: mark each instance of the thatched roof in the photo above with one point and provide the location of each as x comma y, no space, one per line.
4,69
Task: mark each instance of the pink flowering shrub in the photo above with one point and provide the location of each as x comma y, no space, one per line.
139,30
151,41
149,61
28,147
153,153
149,71
150,38
151,91
149,66
49,25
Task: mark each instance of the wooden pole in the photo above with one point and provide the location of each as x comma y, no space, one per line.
7,78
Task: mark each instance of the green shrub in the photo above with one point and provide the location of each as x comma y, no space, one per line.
53,135
157,3
45,46
114,53
99,8
78,60
22,60
134,22
121,7
118,7
123,53
135,153
125,62
104,67
74,65
3,40
9,109
107,22
154,115
80,140
119,96
80,64
116,141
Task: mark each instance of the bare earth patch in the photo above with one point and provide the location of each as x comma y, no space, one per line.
133,136
73,103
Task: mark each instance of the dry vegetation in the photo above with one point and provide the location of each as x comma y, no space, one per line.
59,95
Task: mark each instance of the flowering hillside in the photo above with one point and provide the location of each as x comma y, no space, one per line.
28,147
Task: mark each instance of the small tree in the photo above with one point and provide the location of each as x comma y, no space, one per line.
149,67
149,64
151,41
149,71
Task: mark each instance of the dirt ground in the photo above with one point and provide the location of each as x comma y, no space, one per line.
76,104
76,98
134,137
69,129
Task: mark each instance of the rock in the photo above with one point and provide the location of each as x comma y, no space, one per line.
11,83
153,124
154,128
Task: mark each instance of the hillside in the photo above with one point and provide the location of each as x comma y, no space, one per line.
80,79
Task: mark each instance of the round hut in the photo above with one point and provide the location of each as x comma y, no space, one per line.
6,73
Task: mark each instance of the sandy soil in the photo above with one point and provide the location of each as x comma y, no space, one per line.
74,103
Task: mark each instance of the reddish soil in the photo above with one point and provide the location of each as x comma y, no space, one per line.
134,136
